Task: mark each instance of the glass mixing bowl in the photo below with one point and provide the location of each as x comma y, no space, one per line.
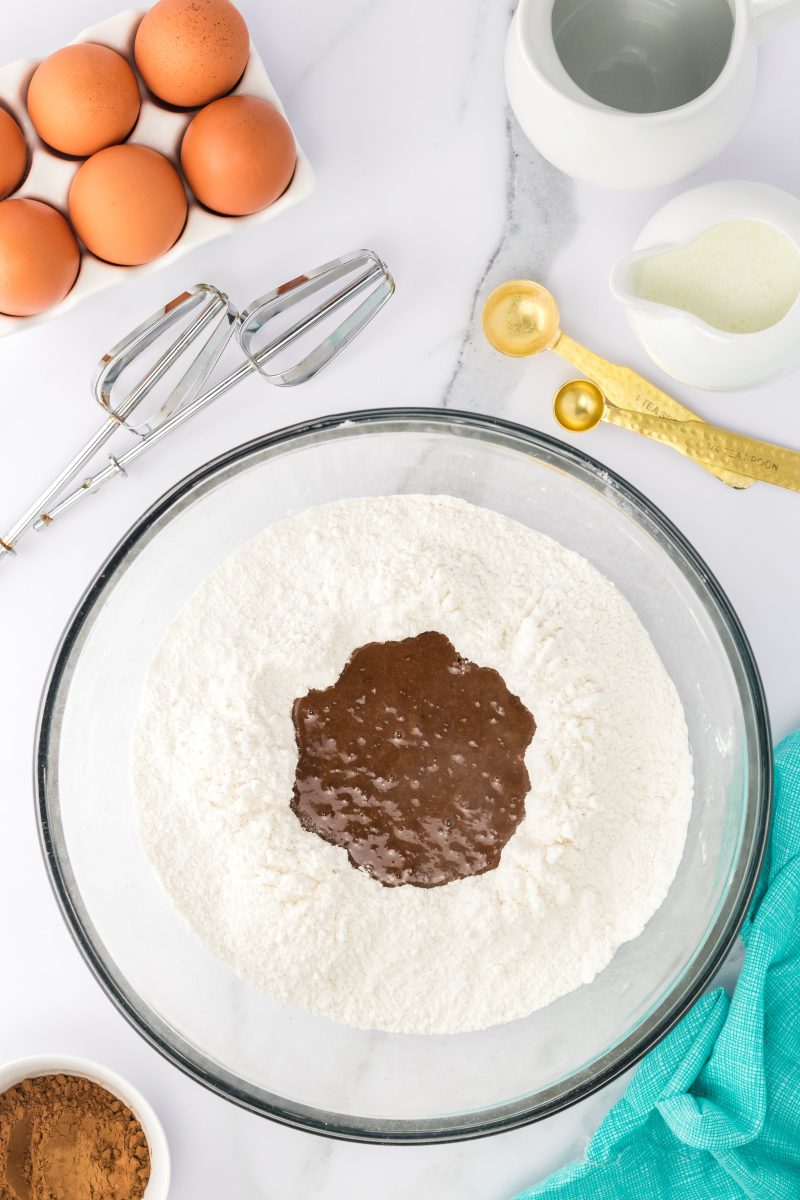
302,1069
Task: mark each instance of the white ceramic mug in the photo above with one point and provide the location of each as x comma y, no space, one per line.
635,93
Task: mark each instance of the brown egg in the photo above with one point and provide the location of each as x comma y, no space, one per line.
39,257
13,154
191,51
238,155
83,98
127,204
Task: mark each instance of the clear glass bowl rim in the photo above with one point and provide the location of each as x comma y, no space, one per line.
465,1125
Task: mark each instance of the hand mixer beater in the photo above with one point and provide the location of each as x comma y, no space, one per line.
181,345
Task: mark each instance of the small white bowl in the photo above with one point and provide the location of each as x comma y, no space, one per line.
62,1064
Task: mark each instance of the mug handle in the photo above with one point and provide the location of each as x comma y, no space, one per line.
768,15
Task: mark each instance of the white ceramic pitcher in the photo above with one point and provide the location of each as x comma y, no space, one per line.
678,341
635,93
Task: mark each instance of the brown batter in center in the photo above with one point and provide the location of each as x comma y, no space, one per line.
413,762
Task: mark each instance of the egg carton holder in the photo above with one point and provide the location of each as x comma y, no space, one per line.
159,127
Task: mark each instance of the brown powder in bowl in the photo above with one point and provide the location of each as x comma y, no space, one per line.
63,1137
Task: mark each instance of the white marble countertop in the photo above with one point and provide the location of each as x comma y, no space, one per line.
400,106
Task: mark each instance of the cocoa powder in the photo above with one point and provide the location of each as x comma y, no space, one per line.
63,1137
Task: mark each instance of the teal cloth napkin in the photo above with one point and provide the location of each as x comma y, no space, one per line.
713,1113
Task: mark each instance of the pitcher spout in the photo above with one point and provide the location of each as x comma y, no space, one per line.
623,283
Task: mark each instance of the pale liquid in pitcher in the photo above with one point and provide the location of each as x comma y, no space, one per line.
643,56
739,276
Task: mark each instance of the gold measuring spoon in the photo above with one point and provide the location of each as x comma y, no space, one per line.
521,318
580,406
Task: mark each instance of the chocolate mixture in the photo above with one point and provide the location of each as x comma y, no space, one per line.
413,762
63,1137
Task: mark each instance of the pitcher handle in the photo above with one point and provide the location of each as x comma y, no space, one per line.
768,15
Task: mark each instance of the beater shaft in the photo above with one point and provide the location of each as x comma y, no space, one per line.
183,401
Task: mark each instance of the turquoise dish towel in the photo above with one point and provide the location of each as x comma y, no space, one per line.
713,1113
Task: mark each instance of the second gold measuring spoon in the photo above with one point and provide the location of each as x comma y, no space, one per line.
521,318
580,405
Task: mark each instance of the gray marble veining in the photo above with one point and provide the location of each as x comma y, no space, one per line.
539,219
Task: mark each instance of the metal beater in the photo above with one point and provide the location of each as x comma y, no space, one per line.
359,283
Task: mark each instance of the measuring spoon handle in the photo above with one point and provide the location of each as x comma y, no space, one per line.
709,446
624,388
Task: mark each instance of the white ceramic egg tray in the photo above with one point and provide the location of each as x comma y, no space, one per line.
50,174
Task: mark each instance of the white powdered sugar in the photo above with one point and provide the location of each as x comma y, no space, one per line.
215,757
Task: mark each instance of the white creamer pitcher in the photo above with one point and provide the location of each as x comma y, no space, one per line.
692,347
635,93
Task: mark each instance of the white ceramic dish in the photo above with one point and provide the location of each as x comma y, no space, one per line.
604,144
161,128
684,345
62,1064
